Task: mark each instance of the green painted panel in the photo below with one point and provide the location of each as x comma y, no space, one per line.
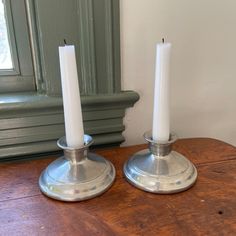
116,45
87,61
104,46
56,21
93,27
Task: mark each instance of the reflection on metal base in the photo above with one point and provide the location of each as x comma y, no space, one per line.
78,175
159,169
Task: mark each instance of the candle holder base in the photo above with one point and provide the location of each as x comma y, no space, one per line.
159,169
78,175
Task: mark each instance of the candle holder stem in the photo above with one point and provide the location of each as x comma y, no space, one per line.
78,175
159,169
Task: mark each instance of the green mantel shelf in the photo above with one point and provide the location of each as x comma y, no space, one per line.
31,123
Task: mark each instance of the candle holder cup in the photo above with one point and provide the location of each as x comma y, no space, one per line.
159,169
78,175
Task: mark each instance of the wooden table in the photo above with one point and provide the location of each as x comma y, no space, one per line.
208,208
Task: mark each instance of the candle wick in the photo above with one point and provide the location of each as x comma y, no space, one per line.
65,42
163,40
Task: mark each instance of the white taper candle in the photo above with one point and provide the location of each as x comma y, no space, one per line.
71,97
161,113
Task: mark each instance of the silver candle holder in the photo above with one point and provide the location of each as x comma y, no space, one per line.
78,175
159,169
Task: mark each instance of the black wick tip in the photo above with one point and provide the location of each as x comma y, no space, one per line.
65,42
163,40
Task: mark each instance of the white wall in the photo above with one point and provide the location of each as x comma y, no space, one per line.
203,66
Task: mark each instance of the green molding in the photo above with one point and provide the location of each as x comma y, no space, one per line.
109,46
34,43
22,103
29,122
99,46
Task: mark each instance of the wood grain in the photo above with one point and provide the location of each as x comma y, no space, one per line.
208,208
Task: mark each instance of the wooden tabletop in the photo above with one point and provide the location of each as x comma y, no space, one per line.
208,208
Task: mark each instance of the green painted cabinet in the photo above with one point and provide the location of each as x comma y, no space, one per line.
31,122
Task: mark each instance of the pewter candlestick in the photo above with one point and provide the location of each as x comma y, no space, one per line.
78,175
159,169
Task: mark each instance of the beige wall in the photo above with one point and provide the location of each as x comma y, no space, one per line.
203,69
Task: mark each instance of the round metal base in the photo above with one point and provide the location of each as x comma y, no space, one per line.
76,181
160,174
